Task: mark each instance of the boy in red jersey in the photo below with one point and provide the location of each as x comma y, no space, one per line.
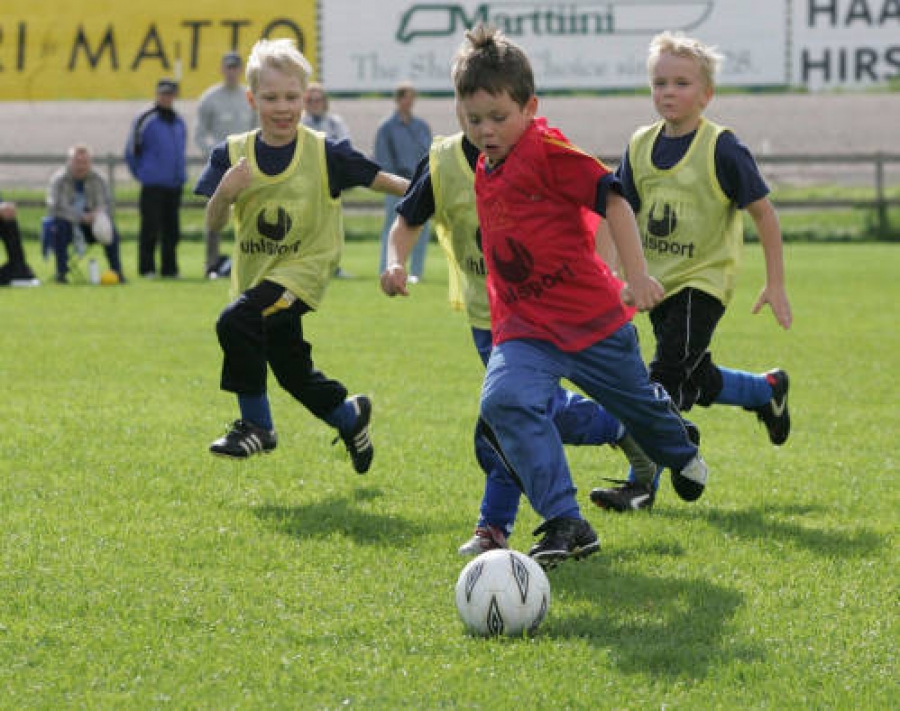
556,310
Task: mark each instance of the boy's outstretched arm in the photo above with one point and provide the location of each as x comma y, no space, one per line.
641,290
235,180
401,240
773,293
389,183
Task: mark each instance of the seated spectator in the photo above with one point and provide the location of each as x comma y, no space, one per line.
80,212
16,271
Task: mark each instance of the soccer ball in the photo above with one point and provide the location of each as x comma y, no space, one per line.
502,592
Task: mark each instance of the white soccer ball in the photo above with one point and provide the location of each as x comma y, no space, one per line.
502,592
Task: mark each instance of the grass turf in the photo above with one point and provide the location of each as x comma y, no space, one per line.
140,572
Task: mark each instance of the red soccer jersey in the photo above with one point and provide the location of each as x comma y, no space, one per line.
536,212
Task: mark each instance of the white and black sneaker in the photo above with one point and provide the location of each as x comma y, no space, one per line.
774,414
690,481
357,440
629,496
564,538
243,440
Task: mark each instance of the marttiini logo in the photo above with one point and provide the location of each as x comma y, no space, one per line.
520,18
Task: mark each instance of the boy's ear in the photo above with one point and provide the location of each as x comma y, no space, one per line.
251,100
531,106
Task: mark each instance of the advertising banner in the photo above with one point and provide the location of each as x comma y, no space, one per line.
579,45
846,43
104,49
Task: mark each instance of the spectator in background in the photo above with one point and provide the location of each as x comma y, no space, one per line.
155,154
16,271
316,114
317,117
223,110
80,211
401,141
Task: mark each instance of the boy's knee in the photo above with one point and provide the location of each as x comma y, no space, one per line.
502,398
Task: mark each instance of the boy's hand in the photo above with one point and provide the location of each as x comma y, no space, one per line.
236,180
643,292
393,280
776,298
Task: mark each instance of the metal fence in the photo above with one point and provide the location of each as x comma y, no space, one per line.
826,168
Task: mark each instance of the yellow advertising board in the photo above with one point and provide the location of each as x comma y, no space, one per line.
118,49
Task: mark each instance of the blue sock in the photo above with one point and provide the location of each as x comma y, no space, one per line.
343,417
744,389
255,409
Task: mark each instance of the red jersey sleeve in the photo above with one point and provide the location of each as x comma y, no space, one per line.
575,173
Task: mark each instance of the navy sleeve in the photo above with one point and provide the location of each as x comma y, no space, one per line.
217,165
347,167
629,191
608,183
737,172
417,206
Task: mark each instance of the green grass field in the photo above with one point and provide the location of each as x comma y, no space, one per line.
140,572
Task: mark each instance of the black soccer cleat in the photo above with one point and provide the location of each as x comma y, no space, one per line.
774,414
690,481
243,440
564,538
630,496
357,440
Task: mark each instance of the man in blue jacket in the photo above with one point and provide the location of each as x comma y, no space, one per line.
155,154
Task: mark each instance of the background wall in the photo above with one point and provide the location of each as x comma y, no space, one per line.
112,49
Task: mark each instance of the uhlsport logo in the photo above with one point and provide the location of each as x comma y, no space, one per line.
524,18
662,222
274,224
517,269
276,230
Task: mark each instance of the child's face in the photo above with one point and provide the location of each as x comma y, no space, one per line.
495,123
279,101
680,92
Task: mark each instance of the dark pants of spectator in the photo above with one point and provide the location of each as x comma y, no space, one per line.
12,240
260,328
160,221
59,233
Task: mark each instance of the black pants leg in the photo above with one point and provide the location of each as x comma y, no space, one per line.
683,326
259,329
151,201
171,231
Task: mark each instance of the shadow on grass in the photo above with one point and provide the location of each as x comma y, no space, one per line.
342,515
774,523
648,625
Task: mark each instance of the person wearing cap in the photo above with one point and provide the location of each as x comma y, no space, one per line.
223,110
80,211
155,154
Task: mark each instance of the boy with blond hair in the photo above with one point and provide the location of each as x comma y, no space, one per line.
556,309
687,179
284,182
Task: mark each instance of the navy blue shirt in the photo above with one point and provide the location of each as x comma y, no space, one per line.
417,205
347,167
736,170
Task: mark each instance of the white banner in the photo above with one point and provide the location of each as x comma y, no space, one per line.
844,43
371,46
